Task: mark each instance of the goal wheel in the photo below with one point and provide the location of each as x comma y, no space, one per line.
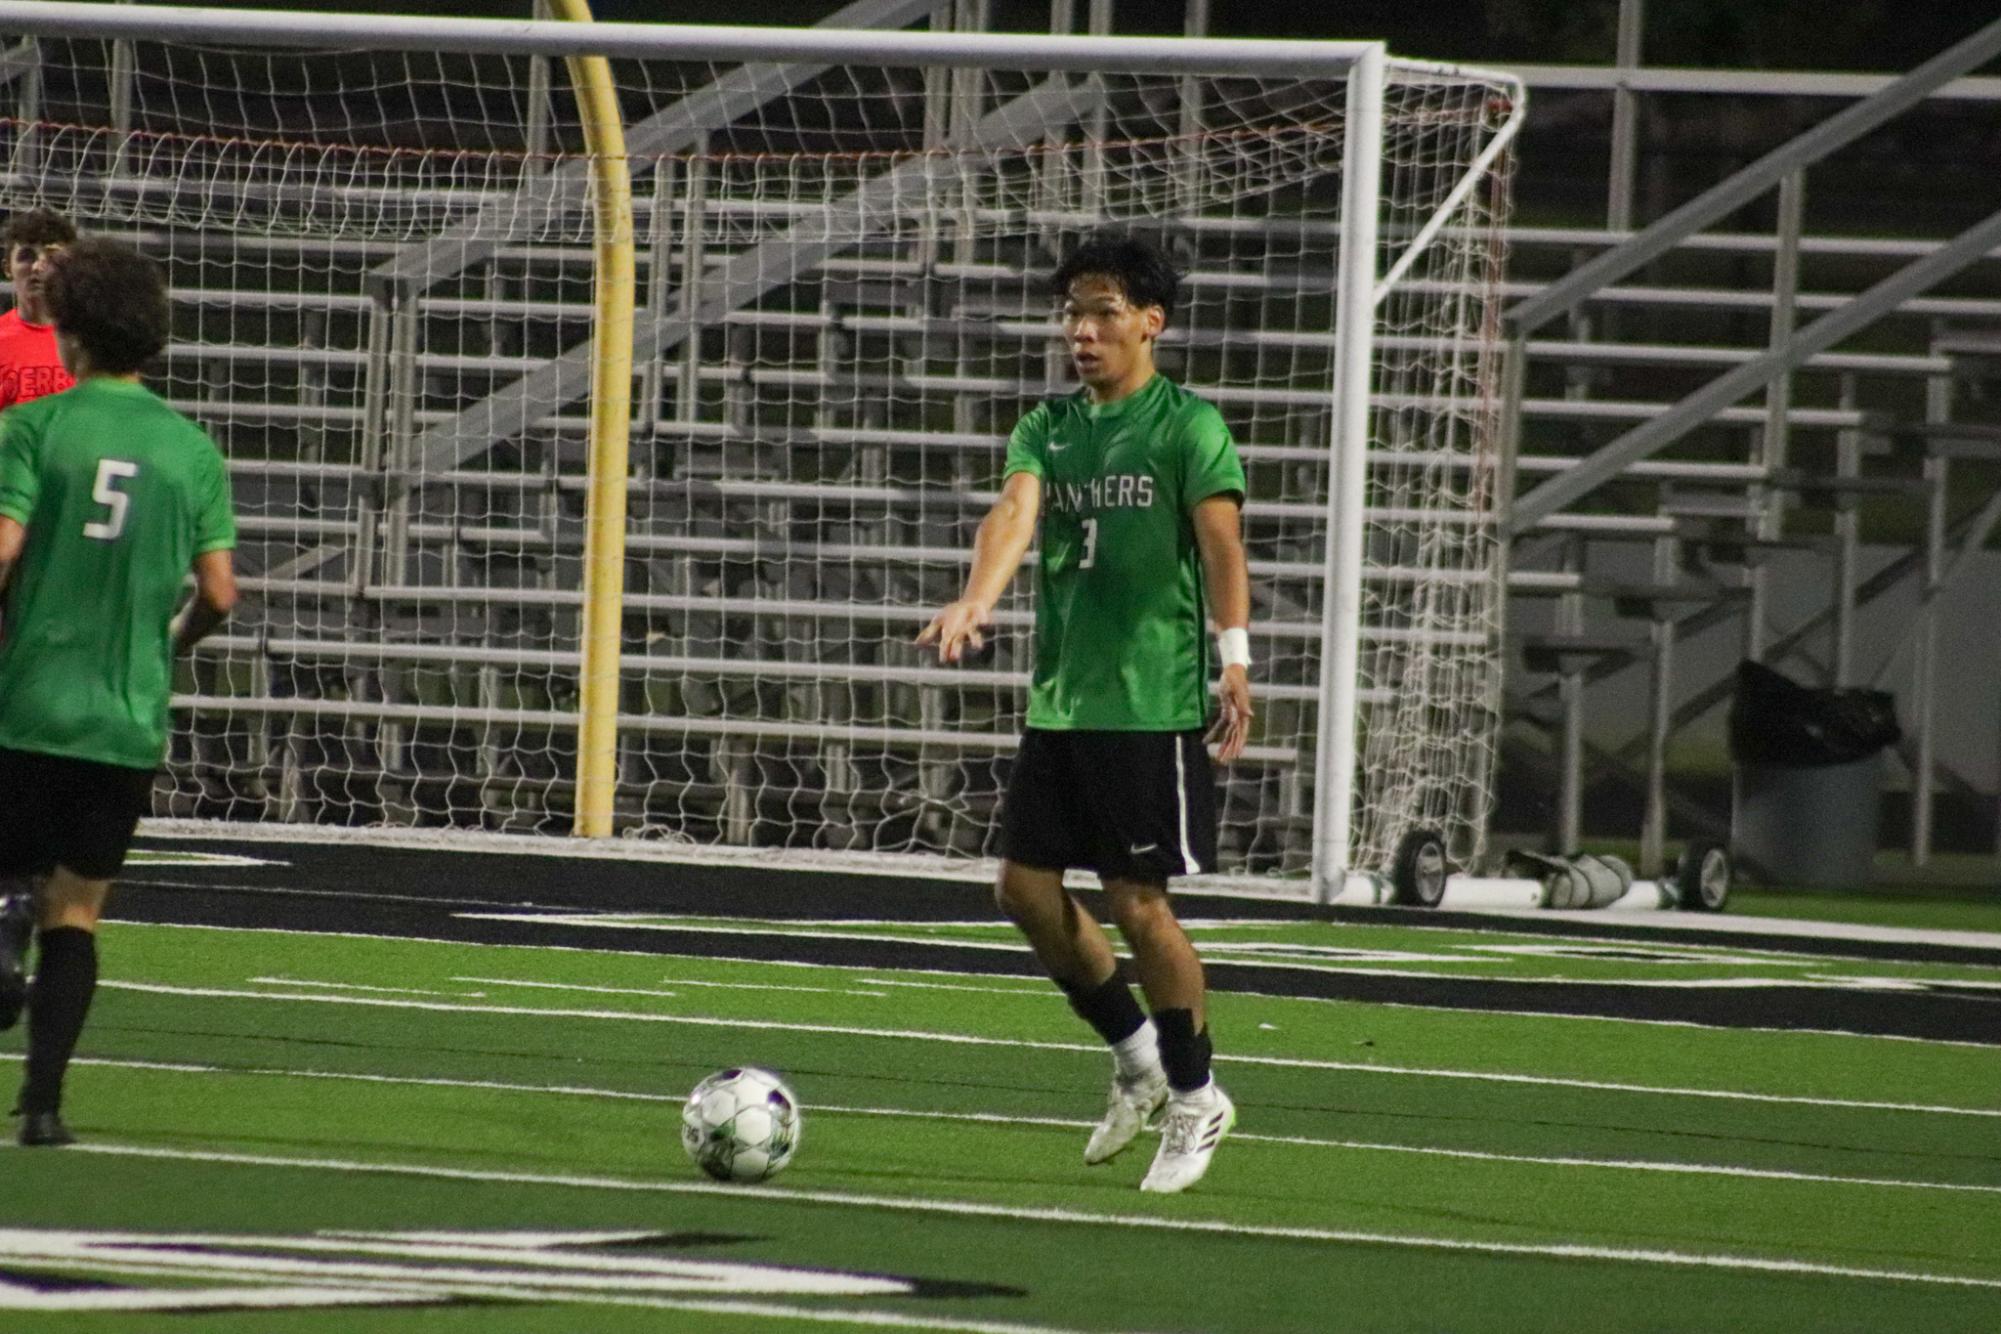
1417,876
1702,880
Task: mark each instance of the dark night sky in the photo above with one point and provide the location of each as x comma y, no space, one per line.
1774,34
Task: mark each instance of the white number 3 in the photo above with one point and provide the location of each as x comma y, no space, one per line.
1090,545
107,494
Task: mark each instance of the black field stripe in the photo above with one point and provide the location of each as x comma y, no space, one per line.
1956,1017
612,885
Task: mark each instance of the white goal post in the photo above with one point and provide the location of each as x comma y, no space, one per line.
380,235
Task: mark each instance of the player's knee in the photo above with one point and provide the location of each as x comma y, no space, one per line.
1029,895
67,916
68,900
1012,898
1143,912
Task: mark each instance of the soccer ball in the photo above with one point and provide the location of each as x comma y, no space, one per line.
741,1125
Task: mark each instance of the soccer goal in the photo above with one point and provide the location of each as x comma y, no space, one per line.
383,236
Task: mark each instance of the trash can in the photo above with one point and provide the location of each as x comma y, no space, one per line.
1808,768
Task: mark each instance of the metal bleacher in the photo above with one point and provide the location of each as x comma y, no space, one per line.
308,718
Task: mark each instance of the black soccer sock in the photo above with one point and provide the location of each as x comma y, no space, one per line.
1108,1007
1184,1053
65,980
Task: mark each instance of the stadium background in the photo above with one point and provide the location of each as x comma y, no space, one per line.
1780,1119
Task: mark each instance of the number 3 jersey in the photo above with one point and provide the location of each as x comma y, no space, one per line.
119,493
1121,641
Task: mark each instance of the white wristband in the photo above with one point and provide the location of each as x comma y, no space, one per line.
1233,646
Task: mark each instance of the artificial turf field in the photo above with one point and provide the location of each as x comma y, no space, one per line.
383,1090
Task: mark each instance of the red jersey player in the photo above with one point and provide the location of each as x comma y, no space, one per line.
29,364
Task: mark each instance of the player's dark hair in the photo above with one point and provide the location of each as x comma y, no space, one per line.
1141,269
37,227
113,300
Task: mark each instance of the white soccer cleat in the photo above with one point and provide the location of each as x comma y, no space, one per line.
1128,1109
1195,1124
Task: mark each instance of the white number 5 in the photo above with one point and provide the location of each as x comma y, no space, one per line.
107,494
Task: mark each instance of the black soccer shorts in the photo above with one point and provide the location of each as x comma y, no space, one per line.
77,814
1130,805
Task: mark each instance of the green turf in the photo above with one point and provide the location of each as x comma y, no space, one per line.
555,1105
1928,907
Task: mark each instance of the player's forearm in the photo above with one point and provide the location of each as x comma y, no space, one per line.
998,550
196,622
1226,579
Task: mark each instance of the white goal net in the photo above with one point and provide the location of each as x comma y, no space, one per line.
382,272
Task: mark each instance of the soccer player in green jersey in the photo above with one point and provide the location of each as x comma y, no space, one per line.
1139,491
108,497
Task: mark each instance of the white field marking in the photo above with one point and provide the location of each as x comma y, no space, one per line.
555,1272
176,857
600,950
1423,1150
1052,1122
975,1209
677,981
1279,955
752,927
500,1238
920,866
1912,983
15,1297
1040,991
669,920
1261,949
344,895
1674,953
1778,928
757,986
873,1319
643,991
357,986
1028,1044
423,1286
620,1281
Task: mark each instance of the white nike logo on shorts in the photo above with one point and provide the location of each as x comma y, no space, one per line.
1137,848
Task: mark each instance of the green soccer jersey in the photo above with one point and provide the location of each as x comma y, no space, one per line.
119,493
1119,620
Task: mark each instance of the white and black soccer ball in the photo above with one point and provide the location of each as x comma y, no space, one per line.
741,1125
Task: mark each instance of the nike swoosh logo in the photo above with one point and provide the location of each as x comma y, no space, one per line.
1056,448
1137,848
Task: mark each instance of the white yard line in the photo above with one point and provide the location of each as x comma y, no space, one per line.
1266,954
1154,1222
869,1319
647,991
1051,1122
1035,991
967,1039
358,986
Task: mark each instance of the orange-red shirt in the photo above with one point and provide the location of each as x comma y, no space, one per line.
29,364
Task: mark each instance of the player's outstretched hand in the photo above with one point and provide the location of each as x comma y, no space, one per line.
956,630
1233,719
